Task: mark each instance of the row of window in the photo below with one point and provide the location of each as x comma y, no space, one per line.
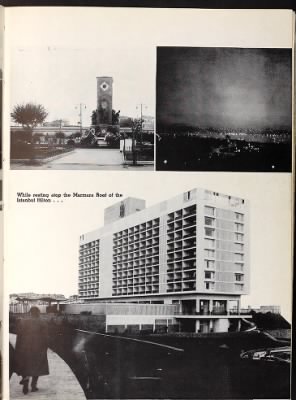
236,227
223,213
89,245
223,245
181,286
182,213
137,228
211,275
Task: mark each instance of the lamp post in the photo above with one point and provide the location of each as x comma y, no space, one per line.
140,106
133,143
80,106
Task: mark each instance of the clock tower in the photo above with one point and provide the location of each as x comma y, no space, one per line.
104,100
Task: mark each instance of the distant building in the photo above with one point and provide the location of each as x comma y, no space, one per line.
191,251
22,302
265,309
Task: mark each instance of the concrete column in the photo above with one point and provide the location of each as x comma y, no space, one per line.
221,325
211,306
197,306
211,324
197,325
239,325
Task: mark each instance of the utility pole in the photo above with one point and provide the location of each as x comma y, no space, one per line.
141,105
80,106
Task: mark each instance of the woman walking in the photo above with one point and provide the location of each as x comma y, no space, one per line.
31,350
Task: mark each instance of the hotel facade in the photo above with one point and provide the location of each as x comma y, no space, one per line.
187,257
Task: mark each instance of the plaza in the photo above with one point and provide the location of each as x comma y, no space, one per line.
83,158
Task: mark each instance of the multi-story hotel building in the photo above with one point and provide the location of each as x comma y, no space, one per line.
191,251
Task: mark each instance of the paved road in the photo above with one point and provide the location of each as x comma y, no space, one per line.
87,159
61,384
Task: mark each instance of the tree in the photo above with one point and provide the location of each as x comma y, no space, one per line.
60,136
94,117
29,115
115,117
137,126
126,122
37,137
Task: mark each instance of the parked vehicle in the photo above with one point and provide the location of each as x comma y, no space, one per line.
277,354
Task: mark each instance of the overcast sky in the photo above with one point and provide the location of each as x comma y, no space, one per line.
61,78
55,54
44,239
224,87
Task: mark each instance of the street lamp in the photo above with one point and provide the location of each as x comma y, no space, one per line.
80,106
140,106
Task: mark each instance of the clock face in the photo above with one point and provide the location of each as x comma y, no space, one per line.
104,86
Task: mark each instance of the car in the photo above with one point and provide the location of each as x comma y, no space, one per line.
275,354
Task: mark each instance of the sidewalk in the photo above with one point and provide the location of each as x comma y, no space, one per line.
61,384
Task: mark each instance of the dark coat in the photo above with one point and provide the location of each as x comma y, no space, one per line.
30,358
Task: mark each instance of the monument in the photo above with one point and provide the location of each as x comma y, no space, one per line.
105,128
104,100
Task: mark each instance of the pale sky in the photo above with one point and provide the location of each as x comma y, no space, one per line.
54,54
60,78
43,239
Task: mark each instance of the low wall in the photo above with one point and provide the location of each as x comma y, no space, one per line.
120,309
280,333
96,323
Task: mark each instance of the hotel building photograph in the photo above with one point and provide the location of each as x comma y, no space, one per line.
183,262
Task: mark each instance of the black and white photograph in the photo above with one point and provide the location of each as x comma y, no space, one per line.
173,283
224,109
84,109
175,293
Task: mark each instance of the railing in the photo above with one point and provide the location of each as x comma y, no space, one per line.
214,312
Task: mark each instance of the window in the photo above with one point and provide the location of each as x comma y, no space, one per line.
209,243
239,277
239,246
187,195
239,257
239,237
209,221
209,253
122,210
209,210
209,275
209,264
239,227
239,216
210,232
209,285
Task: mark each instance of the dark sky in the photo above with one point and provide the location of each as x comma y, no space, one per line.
224,87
